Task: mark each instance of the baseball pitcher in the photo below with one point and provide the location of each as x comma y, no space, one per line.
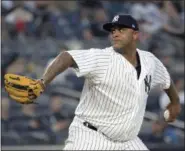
118,80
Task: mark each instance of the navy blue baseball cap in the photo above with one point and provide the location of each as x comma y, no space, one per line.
124,20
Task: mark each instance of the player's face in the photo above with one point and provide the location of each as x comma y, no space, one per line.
122,37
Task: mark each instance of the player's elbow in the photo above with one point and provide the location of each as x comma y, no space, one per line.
67,59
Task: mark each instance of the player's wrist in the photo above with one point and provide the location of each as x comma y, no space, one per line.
42,82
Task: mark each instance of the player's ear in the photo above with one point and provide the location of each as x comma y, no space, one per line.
136,35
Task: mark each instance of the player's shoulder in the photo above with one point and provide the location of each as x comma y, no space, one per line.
101,51
104,50
145,53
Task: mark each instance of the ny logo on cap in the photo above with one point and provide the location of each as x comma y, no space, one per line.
115,18
133,26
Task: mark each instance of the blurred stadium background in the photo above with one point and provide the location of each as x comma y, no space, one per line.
34,32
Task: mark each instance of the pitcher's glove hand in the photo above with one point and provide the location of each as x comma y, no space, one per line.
22,89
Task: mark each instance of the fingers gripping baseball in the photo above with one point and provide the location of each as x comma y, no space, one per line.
172,112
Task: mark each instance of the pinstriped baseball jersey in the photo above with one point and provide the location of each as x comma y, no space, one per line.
113,98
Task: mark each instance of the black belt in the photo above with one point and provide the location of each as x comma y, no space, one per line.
87,124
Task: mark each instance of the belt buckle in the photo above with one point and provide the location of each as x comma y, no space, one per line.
86,124
97,130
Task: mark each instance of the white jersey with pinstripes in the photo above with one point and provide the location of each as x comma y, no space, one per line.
113,98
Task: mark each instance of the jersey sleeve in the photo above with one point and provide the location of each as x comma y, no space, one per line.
161,76
89,62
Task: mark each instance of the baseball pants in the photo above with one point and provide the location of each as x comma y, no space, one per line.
83,138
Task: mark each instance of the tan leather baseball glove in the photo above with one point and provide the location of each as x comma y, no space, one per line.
22,89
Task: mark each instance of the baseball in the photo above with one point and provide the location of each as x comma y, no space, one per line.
166,114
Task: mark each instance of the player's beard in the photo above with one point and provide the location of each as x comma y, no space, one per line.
119,49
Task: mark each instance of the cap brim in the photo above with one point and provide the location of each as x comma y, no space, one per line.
109,26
